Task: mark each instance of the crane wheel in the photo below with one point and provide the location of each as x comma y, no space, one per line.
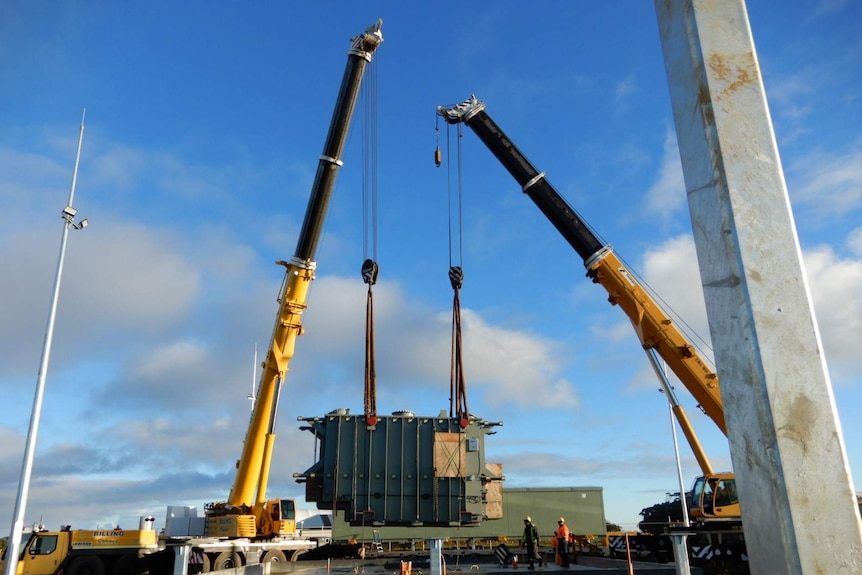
295,555
207,565
86,565
227,560
274,556
125,565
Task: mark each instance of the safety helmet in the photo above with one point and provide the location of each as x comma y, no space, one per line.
528,518
561,520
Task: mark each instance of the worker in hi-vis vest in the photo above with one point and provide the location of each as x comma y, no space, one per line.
530,541
562,537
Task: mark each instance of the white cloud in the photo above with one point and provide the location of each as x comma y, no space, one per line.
170,359
119,168
830,185
836,289
613,331
826,7
672,273
854,241
623,93
667,194
28,176
413,344
131,275
516,366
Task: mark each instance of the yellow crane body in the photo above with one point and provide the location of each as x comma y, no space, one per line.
247,512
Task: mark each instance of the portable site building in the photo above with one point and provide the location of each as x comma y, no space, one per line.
583,508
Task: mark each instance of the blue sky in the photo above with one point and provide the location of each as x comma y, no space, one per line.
204,124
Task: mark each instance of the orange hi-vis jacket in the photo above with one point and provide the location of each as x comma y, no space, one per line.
562,532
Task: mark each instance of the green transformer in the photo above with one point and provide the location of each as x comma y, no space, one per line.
403,470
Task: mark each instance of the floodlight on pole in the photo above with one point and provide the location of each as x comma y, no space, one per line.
68,215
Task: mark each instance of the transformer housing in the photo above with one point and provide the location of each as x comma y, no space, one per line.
403,470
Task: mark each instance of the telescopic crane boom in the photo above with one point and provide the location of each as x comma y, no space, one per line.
249,488
655,330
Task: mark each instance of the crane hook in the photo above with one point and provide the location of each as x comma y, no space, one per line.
456,277
370,269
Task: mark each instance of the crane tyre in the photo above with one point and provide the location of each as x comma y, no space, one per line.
227,560
274,556
125,565
295,555
86,565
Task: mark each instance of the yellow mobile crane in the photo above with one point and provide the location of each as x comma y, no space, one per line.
247,528
247,512
655,330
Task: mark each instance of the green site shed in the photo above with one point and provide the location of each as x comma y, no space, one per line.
582,507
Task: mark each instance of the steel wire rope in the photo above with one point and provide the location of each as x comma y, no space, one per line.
457,382
370,268
369,272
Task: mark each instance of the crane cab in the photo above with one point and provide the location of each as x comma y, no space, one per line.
272,518
715,497
278,518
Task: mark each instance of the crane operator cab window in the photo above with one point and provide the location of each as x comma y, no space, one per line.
288,509
725,493
43,545
708,493
702,494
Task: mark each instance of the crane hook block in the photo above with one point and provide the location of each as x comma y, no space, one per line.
438,157
456,277
370,269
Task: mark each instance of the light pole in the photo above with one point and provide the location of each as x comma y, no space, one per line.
68,216
680,547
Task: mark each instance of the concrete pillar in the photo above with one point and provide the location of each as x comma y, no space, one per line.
793,478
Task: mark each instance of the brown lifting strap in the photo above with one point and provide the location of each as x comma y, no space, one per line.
370,270
457,382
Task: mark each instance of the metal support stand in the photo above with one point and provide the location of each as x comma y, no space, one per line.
436,548
181,559
680,553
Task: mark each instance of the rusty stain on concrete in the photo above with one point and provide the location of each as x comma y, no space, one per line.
802,418
734,71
